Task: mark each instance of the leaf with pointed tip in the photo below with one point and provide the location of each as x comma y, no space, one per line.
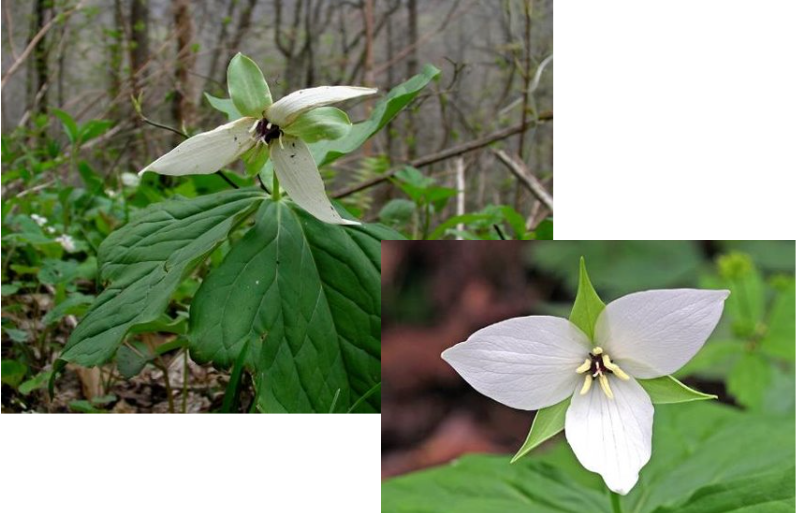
247,86
146,260
668,390
547,423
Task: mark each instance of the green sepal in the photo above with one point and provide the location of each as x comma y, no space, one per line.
547,423
588,305
668,390
255,159
319,124
224,105
247,86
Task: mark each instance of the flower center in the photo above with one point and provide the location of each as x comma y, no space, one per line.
267,131
598,366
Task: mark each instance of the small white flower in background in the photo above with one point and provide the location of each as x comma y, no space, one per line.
130,179
41,221
67,242
111,193
50,229
534,362
281,128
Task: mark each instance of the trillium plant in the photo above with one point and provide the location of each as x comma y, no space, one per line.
280,129
284,289
597,374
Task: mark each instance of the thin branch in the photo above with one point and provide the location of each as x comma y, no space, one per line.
521,171
35,41
436,157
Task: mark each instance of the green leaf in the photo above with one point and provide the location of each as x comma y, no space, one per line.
588,305
35,383
306,296
12,372
131,360
397,212
769,492
748,380
247,87
75,304
320,124
255,159
93,129
668,390
146,260
480,484
778,340
547,423
224,105
233,387
383,112
70,126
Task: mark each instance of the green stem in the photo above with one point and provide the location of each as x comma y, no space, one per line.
275,191
615,502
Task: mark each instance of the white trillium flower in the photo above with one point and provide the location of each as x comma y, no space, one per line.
538,361
283,129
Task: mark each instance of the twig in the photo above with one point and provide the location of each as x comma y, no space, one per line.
525,176
432,158
499,232
35,41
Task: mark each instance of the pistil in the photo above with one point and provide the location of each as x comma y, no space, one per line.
597,366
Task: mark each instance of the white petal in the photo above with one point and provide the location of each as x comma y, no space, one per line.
525,362
298,174
612,437
654,333
207,152
284,111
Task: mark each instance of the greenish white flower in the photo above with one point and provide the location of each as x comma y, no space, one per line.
538,361
67,242
281,129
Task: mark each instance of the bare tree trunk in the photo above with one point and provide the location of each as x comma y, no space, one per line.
115,57
411,70
183,107
38,76
139,41
244,22
221,43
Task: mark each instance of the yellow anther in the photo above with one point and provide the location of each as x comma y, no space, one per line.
597,350
605,386
583,368
614,368
586,385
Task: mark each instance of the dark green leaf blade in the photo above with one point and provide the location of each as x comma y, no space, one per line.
668,390
146,260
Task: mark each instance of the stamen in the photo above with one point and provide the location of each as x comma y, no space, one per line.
597,351
605,386
586,385
614,368
280,141
583,368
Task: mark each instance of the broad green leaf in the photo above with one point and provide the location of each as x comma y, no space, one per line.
748,380
224,105
75,304
668,390
233,387
146,260
320,124
547,423
588,305
12,372
70,126
247,87
768,492
481,484
132,360
306,296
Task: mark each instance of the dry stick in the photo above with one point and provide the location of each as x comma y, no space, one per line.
35,41
526,77
526,177
438,156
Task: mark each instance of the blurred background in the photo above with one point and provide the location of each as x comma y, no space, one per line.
436,295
